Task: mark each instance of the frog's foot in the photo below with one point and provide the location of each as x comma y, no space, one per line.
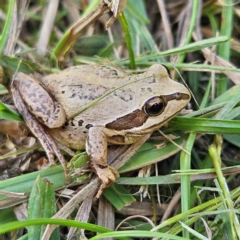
107,175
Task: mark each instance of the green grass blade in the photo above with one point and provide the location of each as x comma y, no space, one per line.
7,26
9,114
195,8
3,90
128,38
14,64
180,50
62,222
24,183
149,154
138,234
224,48
206,125
118,196
42,204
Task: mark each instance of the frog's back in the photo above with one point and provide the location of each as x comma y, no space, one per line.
79,85
82,74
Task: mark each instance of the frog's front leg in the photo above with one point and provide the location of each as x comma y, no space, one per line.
96,147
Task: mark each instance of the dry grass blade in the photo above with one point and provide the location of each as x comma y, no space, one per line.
166,23
106,214
92,188
82,216
147,32
47,26
14,129
20,8
75,31
216,60
117,7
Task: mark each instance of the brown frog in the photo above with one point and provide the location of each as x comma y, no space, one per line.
130,107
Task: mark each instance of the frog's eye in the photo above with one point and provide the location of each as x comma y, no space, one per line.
154,106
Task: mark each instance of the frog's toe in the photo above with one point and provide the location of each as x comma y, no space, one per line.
114,171
107,175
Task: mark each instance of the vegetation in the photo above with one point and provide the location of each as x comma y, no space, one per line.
194,192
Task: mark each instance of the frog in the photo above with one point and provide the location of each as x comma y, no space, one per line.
118,108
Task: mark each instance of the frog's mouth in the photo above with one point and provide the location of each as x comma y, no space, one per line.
156,105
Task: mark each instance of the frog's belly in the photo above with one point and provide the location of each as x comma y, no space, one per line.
70,137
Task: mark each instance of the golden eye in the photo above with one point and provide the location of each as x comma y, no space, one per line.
154,106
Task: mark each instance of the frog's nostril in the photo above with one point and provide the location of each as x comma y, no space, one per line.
176,96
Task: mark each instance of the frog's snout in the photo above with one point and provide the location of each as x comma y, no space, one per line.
175,96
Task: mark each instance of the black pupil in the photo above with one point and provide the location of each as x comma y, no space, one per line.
156,108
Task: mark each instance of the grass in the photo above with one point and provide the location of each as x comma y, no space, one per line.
193,182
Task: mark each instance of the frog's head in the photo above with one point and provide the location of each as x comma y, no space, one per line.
164,99
167,99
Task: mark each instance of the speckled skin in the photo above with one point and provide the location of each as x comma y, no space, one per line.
78,86
118,118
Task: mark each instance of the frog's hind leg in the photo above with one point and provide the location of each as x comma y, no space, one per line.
37,129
